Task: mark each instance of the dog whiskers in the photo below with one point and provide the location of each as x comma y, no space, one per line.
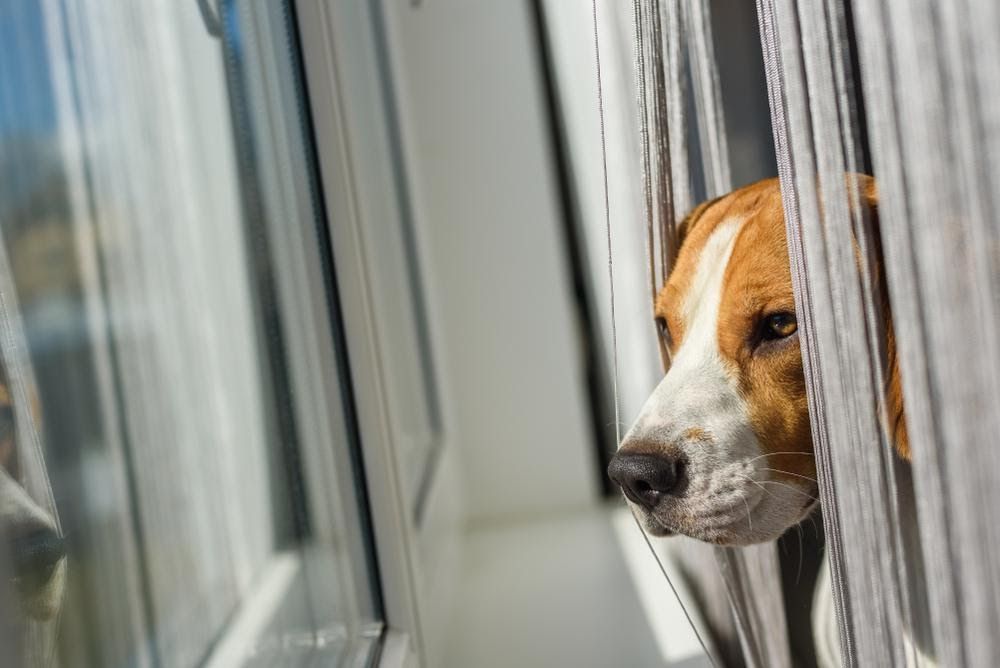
796,475
794,489
765,490
773,454
761,483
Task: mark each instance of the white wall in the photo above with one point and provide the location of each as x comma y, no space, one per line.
571,31
479,158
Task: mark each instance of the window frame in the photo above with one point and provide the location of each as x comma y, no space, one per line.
346,76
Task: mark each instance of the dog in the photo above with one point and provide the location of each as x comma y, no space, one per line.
34,559
722,450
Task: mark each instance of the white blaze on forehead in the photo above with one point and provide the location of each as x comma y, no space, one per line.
700,307
698,391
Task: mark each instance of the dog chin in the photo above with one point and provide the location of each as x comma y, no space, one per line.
736,536
655,528
728,536
768,521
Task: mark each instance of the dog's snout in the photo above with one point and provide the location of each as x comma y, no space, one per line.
35,551
644,478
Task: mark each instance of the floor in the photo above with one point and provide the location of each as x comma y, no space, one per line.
564,591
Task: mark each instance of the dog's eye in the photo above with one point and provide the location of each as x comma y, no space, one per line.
778,326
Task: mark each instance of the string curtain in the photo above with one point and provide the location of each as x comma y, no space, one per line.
912,548
676,71
843,339
932,89
908,91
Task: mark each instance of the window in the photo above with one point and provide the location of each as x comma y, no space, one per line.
180,446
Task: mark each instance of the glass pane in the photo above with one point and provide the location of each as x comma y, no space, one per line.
180,478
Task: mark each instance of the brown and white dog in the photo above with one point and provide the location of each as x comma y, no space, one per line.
722,450
32,556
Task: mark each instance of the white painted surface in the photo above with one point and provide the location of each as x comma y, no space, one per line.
481,175
571,31
675,638
554,592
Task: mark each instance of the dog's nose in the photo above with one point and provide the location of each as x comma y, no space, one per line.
35,550
645,479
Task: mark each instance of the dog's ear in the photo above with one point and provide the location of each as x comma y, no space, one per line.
894,411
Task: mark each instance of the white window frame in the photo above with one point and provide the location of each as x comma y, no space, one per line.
417,559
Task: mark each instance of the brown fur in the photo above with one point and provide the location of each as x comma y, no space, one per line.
895,419
758,283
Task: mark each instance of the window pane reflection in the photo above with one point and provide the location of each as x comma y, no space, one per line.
171,414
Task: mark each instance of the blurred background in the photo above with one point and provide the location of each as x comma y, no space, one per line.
312,298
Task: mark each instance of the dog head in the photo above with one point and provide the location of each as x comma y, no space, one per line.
34,552
722,450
